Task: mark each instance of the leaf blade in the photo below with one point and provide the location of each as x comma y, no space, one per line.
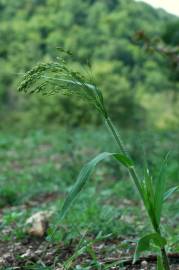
144,243
85,174
124,160
169,192
160,190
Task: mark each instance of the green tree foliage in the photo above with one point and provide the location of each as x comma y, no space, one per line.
100,34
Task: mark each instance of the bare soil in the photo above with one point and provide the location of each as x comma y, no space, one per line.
31,251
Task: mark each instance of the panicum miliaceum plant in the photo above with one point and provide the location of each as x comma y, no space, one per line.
52,78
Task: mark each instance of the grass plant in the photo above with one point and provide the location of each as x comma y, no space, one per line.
57,77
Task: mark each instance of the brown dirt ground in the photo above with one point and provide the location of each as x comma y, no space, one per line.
19,254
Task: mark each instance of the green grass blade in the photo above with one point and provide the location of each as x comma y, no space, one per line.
149,196
144,244
84,176
160,190
124,160
149,185
169,192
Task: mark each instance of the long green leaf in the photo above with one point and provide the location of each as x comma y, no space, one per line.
144,244
159,191
85,174
124,160
149,185
169,192
149,196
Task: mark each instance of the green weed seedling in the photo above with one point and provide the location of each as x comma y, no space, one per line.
55,77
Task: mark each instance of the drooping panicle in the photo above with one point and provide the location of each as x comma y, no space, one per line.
54,77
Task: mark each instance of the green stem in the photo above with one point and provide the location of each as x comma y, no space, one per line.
165,259
122,149
136,180
116,135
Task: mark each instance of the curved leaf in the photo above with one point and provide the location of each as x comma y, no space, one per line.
85,174
169,192
160,190
144,244
124,160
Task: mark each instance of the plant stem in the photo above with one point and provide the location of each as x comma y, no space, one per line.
135,178
122,149
116,135
165,259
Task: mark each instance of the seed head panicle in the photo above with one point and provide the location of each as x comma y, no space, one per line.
54,77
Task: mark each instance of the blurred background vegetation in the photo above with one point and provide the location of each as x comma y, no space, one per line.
45,140
139,90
